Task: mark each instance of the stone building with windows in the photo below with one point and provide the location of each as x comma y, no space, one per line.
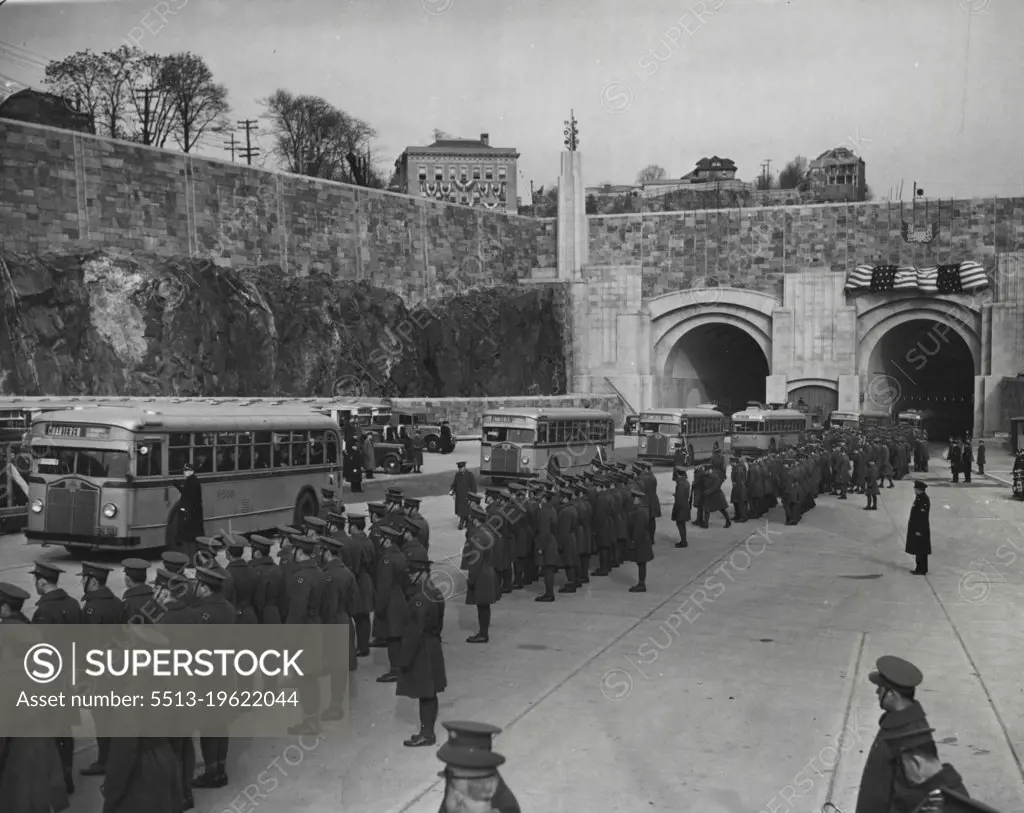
838,175
462,171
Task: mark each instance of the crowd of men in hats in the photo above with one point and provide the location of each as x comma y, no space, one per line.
961,457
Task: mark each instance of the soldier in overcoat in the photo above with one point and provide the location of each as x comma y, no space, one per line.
714,498
336,608
603,525
700,474
584,534
966,460
981,457
412,507
860,468
243,579
641,550
482,582
268,587
649,483
620,513
364,567
212,607
954,456
566,533
681,504
546,543
421,658
463,484
390,606
142,775
738,495
919,529
189,511
885,467
503,538
871,486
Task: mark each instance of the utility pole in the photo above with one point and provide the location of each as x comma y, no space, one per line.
249,152
231,147
147,136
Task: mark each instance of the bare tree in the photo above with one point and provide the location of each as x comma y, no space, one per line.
651,172
766,180
80,79
312,137
151,106
442,135
199,104
794,175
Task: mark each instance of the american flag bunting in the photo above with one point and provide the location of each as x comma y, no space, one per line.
967,276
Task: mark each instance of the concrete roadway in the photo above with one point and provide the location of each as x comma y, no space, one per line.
737,684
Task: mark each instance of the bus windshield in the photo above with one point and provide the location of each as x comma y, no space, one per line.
756,425
661,428
508,434
87,462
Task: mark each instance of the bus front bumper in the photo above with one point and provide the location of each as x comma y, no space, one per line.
510,475
95,542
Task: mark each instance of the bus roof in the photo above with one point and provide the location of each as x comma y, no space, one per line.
684,412
754,412
176,420
556,413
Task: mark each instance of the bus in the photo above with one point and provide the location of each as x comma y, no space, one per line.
103,478
518,443
759,429
385,416
13,488
700,430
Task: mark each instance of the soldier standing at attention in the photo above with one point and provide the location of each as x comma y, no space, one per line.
482,586
584,537
412,506
138,598
339,601
697,496
919,531
99,606
304,591
212,607
981,457
640,539
390,607
967,460
954,456
546,543
421,660
243,580
871,486
714,497
175,563
566,533
681,505
171,592
55,606
363,559
268,582
190,511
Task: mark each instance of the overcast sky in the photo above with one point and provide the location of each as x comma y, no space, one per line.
924,90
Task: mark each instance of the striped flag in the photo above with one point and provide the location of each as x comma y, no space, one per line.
928,280
859,277
973,276
906,278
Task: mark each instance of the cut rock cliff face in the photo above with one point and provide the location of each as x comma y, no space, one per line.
111,324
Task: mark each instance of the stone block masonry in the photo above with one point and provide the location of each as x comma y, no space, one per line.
69,192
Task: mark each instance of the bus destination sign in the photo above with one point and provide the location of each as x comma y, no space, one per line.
503,419
65,430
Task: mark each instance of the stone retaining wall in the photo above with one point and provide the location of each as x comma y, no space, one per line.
465,413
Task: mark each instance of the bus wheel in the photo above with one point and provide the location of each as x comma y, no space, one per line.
689,455
771,446
392,465
433,443
306,506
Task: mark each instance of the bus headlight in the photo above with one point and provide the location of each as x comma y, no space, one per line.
643,443
110,510
487,458
526,461
37,506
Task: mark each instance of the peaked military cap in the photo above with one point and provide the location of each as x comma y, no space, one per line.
261,543
389,530
288,530
135,569
210,542
637,492
474,498
337,517
412,502
416,559
163,578
394,494
237,542
895,673
315,522
46,571
207,576
95,570
470,763
478,509
307,544
467,735
175,560
332,544
12,594
356,519
461,464
376,508
921,484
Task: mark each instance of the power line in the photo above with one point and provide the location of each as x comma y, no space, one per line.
249,152
27,51
232,146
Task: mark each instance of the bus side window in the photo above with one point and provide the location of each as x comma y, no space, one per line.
542,433
149,463
262,450
179,452
226,442
244,451
332,448
300,448
316,448
203,451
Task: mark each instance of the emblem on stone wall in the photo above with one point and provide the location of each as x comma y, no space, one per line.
920,234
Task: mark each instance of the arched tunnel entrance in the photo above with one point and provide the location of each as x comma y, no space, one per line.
924,365
715,362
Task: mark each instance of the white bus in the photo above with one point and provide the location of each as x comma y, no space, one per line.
103,478
700,431
759,429
518,443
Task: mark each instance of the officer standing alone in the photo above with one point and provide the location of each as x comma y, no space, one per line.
919,531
